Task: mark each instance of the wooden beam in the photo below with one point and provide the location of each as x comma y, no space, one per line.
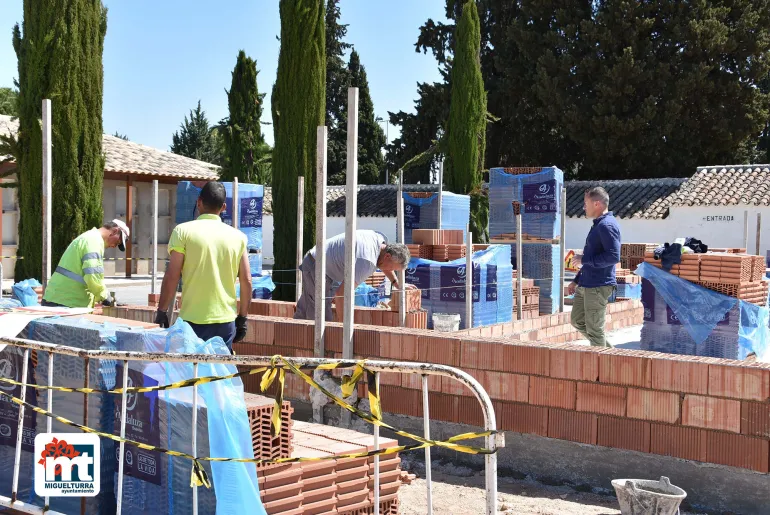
129,223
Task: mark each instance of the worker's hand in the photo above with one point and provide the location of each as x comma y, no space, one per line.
572,288
240,328
161,318
410,287
109,301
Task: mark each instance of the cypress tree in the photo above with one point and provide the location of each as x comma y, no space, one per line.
60,57
337,83
298,109
371,137
466,130
244,144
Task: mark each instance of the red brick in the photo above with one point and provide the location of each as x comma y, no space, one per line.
401,401
469,411
739,382
264,332
573,426
556,393
390,378
414,382
525,359
610,400
409,347
442,407
622,367
522,418
454,387
390,345
504,387
755,419
481,355
439,350
681,442
366,341
711,413
652,405
623,433
574,363
738,451
680,375
333,337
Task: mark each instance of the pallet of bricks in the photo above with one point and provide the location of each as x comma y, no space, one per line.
530,298
632,254
740,276
629,285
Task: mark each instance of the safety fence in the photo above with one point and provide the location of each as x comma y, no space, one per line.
271,369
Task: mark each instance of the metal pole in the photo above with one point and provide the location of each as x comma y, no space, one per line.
426,435
1,269
154,271
49,405
20,427
759,227
376,457
46,192
440,190
746,230
86,362
319,344
236,205
121,458
519,269
469,278
400,239
351,210
195,435
300,233
562,245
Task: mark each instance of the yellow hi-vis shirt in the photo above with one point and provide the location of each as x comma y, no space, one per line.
212,255
78,281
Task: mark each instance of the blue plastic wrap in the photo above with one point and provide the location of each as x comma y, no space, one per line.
443,286
683,318
541,262
24,292
422,213
629,291
9,303
262,287
366,296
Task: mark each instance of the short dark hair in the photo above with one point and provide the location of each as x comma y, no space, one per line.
213,195
598,193
110,225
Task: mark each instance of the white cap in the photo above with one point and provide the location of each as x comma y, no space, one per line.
124,233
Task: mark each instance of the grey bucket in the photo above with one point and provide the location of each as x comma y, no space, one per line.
647,497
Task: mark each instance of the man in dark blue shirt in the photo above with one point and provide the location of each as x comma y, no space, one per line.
595,282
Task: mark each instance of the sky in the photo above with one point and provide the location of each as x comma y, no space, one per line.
162,56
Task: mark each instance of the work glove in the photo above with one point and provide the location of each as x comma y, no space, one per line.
240,328
161,318
109,301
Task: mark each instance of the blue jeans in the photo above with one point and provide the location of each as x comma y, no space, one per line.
225,331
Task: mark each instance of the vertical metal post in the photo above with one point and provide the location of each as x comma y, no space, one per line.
322,138
130,224
300,232
400,237
86,362
376,457
759,228
20,427
490,460
426,435
562,245
519,269
49,406
195,434
440,191
236,204
47,163
469,278
1,267
746,230
121,450
154,271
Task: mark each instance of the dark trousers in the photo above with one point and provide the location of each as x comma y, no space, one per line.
51,304
225,331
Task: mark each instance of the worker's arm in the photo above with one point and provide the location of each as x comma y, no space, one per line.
93,272
393,278
610,238
244,279
170,280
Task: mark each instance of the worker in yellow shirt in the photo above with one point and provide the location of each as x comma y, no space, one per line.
209,256
78,281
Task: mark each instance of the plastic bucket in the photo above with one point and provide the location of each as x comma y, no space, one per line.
446,322
648,497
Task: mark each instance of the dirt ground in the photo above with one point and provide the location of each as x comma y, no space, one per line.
460,491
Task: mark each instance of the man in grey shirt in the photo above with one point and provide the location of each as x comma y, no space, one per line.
372,251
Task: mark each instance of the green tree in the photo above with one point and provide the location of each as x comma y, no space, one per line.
121,136
59,57
244,144
298,109
196,139
337,83
371,137
9,102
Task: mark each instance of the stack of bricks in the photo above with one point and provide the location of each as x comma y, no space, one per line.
420,251
628,278
689,268
632,254
413,300
417,319
260,411
530,302
437,237
725,250
375,280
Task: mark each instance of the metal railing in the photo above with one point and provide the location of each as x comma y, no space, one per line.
492,442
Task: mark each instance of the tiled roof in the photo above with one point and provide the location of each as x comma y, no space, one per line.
726,185
132,158
632,198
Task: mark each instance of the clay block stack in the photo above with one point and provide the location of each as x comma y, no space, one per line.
375,280
437,236
260,411
530,302
413,300
632,254
629,285
420,251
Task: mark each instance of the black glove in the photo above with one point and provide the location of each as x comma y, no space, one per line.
161,318
109,301
240,328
